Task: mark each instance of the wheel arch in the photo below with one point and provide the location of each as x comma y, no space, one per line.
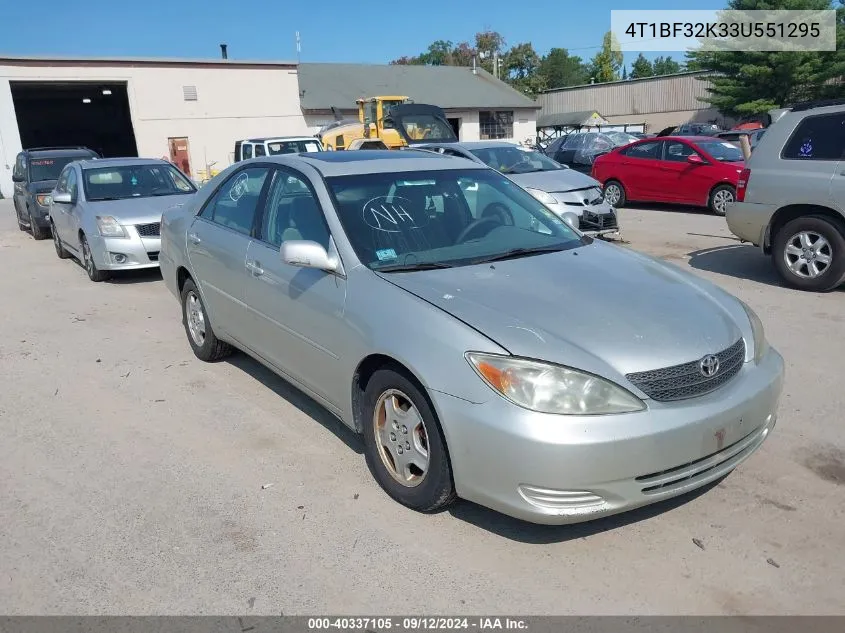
183,275
794,211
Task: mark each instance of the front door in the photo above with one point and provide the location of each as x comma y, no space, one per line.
180,155
297,312
59,211
218,240
682,181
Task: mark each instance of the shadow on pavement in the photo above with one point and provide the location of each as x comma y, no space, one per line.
524,532
742,261
297,398
665,207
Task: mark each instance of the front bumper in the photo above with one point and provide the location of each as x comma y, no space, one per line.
599,220
40,215
125,253
556,470
748,221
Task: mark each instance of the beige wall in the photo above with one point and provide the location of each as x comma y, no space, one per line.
232,103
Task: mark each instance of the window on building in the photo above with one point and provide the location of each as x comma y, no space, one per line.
495,125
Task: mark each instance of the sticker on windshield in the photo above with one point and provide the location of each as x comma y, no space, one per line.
393,214
239,187
386,254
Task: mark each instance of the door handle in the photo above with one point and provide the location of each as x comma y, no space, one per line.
195,239
255,268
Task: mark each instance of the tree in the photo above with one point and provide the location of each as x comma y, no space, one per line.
750,83
641,68
607,62
665,66
559,69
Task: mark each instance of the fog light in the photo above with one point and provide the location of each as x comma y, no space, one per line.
119,258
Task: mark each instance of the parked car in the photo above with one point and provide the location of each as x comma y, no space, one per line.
107,212
791,196
575,197
580,150
523,366
697,129
256,147
34,176
699,171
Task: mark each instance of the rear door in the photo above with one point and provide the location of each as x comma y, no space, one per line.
218,240
640,170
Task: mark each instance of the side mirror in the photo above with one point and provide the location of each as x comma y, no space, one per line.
695,159
62,198
307,254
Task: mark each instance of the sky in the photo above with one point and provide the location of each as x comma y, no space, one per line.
265,29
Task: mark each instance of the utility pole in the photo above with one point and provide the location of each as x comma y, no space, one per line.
298,47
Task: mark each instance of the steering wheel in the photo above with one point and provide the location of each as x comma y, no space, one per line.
497,210
472,226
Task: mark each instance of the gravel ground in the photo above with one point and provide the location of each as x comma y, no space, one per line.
131,474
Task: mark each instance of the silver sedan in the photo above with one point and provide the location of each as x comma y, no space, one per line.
482,347
108,212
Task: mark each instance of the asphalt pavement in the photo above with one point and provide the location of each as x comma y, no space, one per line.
132,475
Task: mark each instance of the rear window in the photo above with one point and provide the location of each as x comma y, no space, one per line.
820,137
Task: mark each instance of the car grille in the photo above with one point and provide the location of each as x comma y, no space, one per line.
597,221
153,256
149,230
687,381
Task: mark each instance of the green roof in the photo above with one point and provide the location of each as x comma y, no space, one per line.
323,86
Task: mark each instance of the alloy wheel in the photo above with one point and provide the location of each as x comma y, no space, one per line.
195,316
401,437
721,200
808,254
612,194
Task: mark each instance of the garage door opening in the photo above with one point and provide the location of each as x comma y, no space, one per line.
58,114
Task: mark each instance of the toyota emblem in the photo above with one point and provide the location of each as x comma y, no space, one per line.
709,366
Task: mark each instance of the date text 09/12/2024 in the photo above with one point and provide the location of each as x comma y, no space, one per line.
418,623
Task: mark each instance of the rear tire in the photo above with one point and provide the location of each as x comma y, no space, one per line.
720,198
614,191
205,345
404,444
809,254
94,273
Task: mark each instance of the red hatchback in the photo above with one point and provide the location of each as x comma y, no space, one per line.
695,170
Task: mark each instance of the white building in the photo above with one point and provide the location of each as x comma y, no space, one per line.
193,111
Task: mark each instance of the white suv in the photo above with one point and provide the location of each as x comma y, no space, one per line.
790,199
256,147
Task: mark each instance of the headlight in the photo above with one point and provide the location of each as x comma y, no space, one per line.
43,199
761,346
542,196
547,388
109,227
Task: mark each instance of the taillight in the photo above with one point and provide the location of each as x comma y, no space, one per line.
742,184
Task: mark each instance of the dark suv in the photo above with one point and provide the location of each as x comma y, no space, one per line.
35,174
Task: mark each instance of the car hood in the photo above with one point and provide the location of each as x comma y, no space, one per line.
595,307
42,186
138,210
555,180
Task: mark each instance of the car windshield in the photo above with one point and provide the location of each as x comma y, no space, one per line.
50,168
134,181
292,147
512,159
722,151
438,219
426,127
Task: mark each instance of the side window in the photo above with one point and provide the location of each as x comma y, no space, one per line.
71,183
678,152
235,203
259,151
648,151
61,186
293,213
246,149
819,137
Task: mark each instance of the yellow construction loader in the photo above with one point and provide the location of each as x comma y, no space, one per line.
396,121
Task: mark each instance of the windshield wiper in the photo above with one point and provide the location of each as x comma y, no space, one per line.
519,252
398,268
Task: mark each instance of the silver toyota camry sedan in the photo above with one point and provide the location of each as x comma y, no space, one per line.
482,347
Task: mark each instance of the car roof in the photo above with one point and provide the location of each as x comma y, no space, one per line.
37,153
280,138
691,139
346,163
120,162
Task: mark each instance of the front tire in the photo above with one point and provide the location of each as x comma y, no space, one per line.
404,444
205,345
61,251
37,232
94,273
614,194
809,254
720,199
